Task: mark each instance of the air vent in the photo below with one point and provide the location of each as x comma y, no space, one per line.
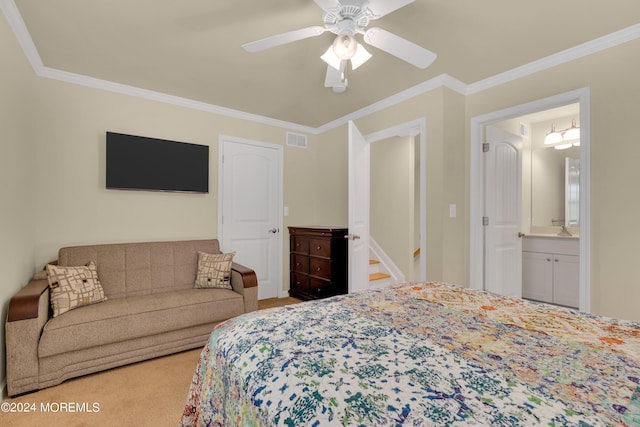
296,140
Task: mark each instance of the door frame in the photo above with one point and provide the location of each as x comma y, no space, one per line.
477,173
412,128
279,196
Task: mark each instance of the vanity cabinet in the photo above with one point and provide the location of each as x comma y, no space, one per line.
551,270
318,262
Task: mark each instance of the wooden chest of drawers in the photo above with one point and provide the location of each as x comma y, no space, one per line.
318,261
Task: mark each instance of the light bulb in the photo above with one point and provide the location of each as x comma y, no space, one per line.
345,46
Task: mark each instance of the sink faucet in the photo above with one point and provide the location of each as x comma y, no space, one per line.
564,231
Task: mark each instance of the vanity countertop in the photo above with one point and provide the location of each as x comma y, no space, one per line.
550,243
551,236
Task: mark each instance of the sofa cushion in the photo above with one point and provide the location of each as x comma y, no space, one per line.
131,269
73,287
214,270
121,319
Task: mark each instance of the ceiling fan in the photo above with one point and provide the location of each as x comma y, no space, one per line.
346,18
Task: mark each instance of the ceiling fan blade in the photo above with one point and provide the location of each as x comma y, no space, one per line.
380,8
327,4
284,38
399,47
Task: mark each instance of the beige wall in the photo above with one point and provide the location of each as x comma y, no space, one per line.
17,174
612,78
443,111
73,206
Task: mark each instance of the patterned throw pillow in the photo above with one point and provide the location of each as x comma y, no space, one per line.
73,287
214,270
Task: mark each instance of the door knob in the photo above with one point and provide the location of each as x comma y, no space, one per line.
520,234
351,236
273,230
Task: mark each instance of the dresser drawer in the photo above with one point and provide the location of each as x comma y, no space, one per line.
300,244
320,268
320,247
299,282
300,263
321,288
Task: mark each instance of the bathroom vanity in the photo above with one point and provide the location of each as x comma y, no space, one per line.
551,269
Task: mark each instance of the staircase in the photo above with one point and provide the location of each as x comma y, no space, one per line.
378,274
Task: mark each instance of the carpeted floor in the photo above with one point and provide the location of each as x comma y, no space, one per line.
150,393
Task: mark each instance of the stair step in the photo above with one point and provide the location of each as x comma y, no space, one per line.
373,261
378,276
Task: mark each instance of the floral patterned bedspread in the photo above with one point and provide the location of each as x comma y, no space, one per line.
418,355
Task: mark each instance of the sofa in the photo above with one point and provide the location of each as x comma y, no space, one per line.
151,309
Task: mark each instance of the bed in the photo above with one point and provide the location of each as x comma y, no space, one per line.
418,355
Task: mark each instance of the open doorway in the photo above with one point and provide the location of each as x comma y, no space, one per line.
394,208
359,191
520,119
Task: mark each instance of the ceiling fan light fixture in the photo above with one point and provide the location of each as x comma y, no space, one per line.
330,58
361,56
345,46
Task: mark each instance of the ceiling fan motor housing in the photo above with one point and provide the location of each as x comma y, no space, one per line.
346,19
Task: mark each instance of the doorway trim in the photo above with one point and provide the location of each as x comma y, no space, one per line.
477,173
413,128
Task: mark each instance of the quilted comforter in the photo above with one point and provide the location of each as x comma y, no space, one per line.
418,355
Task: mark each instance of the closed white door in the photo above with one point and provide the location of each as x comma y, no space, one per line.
358,210
250,198
503,193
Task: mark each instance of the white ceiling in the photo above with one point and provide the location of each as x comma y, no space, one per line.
192,48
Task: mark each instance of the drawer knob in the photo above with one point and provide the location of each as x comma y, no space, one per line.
548,259
297,264
319,268
319,247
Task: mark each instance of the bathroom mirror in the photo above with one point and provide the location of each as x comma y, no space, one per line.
555,177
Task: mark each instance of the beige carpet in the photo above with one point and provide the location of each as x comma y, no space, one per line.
151,393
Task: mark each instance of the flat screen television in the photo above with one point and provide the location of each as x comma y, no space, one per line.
140,163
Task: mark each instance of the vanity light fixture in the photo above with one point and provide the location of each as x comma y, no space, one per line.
553,137
565,138
572,133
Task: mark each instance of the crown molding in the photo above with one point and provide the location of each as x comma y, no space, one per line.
165,98
12,14
442,80
567,55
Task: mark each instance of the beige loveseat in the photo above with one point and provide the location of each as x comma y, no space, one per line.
152,309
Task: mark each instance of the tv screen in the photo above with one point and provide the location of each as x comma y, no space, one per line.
140,163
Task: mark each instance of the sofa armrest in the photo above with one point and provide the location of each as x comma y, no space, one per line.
26,317
245,282
24,304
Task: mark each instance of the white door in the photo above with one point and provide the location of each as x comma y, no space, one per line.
503,199
250,198
358,210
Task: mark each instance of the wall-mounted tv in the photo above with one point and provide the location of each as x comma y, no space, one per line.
140,163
